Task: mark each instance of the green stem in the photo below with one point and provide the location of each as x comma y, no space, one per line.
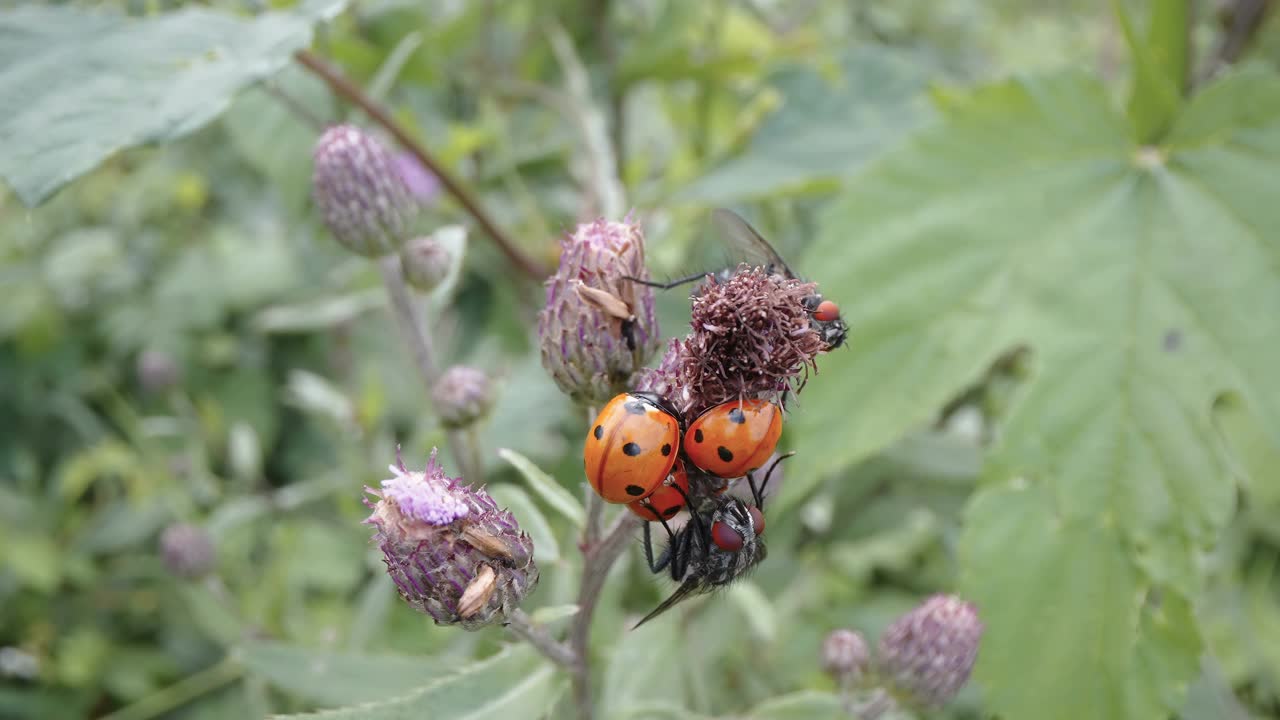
182,692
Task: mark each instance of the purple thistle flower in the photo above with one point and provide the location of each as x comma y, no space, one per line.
451,551
598,328
359,191
927,654
423,185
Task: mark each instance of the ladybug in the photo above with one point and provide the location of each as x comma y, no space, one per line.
631,447
667,500
747,245
723,540
734,438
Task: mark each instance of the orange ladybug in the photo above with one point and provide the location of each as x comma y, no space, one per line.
732,439
667,500
631,447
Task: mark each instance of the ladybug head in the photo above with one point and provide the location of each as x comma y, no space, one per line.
661,403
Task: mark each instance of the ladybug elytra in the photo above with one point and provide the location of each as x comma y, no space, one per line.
667,500
631,447
734,438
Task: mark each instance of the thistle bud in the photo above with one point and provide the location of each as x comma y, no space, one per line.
425,262
462,395
453,554
927,654
845,655
598,328
157,371
360,192
187,551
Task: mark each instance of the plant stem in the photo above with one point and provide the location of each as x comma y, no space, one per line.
352,92
1246,17
522,625
598,559
417,336
181,692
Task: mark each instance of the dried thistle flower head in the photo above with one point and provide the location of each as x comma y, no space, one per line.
462,396
360,192
845,656
187,550
597,328
751,337
927,654
425,262
452,552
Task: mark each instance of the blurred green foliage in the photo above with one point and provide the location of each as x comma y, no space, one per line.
181,340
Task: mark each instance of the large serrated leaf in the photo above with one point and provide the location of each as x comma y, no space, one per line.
1113,638
331,679
516,682
81,85
1137,277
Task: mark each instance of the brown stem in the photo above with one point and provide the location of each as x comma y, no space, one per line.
352,93
599,558
417,336
522,625
1245,18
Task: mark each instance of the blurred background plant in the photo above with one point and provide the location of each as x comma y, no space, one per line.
1059,395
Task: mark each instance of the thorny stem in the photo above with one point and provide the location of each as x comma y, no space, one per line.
522,625
598,559
354,94
418,337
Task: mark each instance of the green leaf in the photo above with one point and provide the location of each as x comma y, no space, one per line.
1134,276
516,682
642,661
1211,697
756,608
83,85
805,705
332,679
824,130
546,487
531,519
1121,648
1160,63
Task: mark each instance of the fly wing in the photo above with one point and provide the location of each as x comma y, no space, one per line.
689,588
747,244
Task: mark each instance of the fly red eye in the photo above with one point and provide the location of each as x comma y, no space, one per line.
827,311
725,537
757,520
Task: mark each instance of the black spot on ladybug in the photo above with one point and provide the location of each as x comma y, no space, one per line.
599,432
666,449
635,407
736,416
697,435
632,450
635,490
671,511
724,454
